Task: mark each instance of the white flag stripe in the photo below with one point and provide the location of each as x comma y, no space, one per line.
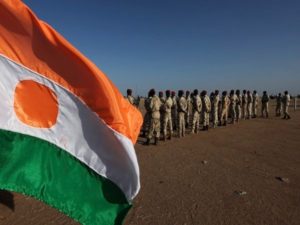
78,130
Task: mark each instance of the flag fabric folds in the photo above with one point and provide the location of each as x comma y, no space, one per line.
67,134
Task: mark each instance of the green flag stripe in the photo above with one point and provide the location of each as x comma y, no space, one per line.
37,168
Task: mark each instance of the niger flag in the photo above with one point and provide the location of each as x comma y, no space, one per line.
66,133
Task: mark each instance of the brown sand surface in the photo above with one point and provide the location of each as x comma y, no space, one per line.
197,180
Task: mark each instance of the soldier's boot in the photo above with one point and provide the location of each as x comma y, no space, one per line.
147,142
156,140
288,117
170,137
225,123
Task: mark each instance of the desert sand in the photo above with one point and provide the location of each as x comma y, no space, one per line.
244,174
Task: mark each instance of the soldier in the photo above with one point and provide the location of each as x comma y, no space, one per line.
232,98
162,110
155,118
130,98
206,108
265,104
215,108
244,104
225,105
168,116
286,102
197,106
249,104
238,105
189,108
174,110
147,116
278,105
182,107
254,104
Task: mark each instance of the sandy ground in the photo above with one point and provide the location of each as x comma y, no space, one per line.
223,176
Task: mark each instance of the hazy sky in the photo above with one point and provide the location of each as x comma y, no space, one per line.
176,44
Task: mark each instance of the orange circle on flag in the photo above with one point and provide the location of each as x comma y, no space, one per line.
35,104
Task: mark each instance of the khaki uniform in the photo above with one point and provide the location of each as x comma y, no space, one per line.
244,106
255,104
197,106
238,107
233,99
206,108
168,117
155,117
286,102
182,107
265,105
278,106
130,99
225,105
188,111
249,106
174,113
147,116
215,110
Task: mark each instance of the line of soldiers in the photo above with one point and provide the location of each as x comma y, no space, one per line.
176,113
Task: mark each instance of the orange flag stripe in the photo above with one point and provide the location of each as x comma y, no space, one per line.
33,43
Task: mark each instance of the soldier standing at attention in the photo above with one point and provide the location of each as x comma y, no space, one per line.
232,106
130,98
238,105
167,116
244,104
197,106
174,110
249,104
215,108
162,110
265,104
182,107
225,105
254,104
155,118
206,108
278,105
286,102
189,108
147,116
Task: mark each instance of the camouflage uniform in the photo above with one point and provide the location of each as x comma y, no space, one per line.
155,117
286,102
197,106
147,116
188,110
233,99
162,113
225,105
182,107
244,106
249,106
238,107
255,104
278,105
174,113
215,110
130,99
265,105
206,108
168,117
